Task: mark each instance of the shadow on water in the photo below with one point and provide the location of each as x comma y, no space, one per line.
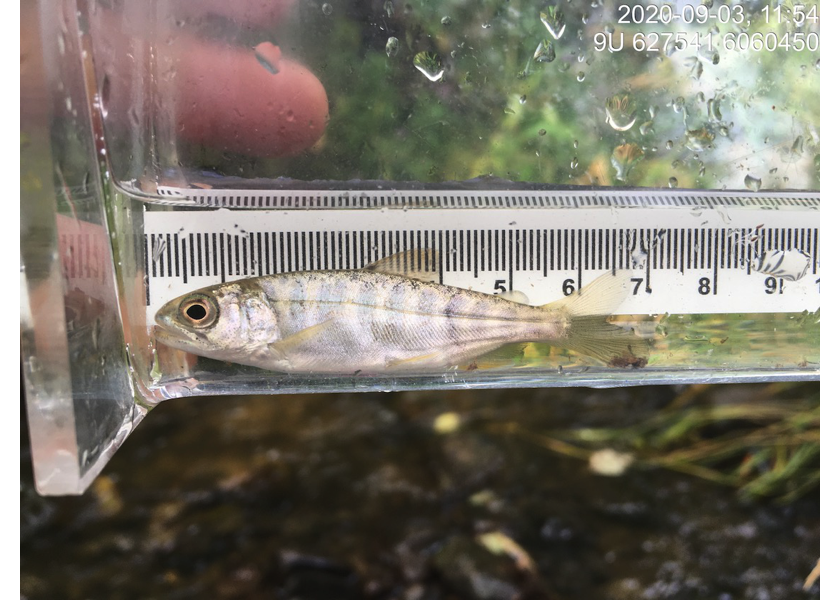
377,496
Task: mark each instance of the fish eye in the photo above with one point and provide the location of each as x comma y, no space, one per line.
199,311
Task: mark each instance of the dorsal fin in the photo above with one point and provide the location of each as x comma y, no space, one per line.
600,297
419,264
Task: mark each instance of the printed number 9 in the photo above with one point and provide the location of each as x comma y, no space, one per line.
773,286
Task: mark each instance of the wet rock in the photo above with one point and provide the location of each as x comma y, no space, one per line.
475,573
316,577
415,552
555,530
468,460
630,512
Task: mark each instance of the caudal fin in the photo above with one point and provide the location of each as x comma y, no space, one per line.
616,346
588,330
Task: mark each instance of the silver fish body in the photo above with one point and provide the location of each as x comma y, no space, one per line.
359,321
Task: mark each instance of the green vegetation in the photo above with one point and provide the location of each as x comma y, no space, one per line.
765,442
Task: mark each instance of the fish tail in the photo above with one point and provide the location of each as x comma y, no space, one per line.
586,328
594,336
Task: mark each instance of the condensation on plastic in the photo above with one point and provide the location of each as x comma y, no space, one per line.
80,399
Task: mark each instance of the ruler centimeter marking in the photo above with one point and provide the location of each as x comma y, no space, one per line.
689,253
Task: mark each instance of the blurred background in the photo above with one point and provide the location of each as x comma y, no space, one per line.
646,492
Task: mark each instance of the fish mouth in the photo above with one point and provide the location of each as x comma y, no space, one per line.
169,338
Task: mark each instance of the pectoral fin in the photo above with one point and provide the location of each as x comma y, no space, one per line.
282,349
421,264
416,362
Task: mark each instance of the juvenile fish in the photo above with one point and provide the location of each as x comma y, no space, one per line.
375,321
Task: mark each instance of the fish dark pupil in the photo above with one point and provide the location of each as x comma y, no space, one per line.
196,312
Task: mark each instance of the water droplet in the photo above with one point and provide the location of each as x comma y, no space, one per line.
713,109
752,183
621,112
544,52
699,139
522,99
575,144
672,182
679,104
790,265
268,55
326,8
105,97
653,110
669,144
797,146
509,111
646,127
446,21
581,76
639,258
389,8
429,65
624,158
392,46
485,25
554,20
710,54
574,163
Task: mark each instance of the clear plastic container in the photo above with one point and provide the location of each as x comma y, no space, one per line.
517,147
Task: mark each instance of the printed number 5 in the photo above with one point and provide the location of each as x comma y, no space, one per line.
500,286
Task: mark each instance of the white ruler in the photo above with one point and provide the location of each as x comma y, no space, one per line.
685,252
